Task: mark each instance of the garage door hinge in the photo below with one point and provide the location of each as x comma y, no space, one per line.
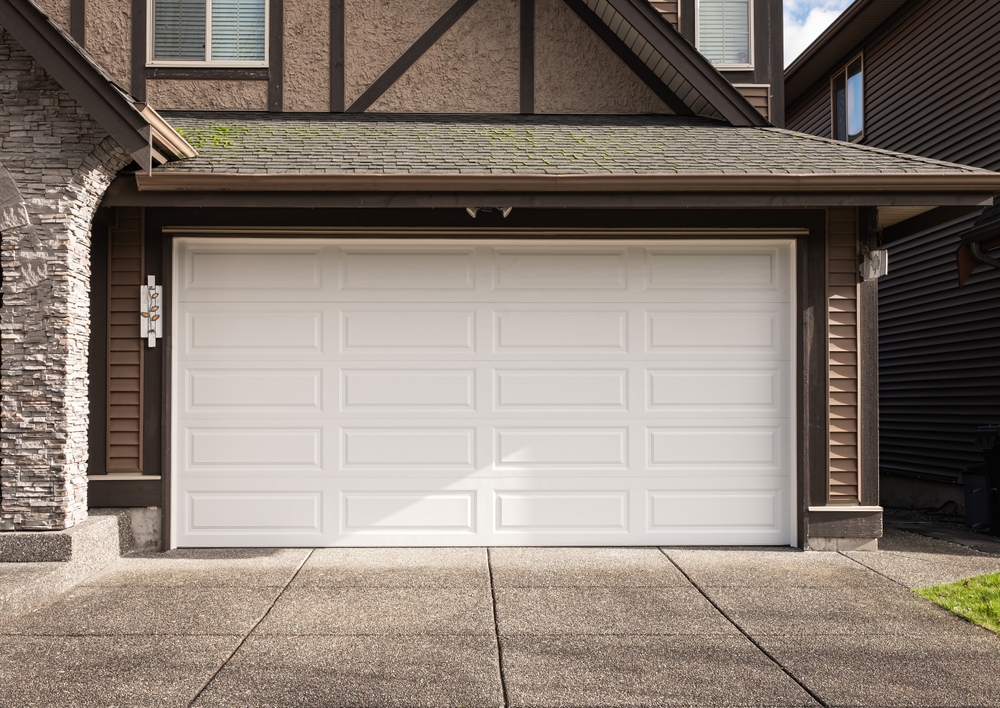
151,316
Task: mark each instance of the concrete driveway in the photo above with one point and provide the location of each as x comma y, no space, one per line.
507,627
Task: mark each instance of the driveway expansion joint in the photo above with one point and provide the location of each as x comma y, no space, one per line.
742,631
496,630
243,640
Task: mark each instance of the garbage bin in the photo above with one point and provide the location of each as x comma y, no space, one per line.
982,486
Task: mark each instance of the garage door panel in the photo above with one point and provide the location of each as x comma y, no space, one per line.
469,393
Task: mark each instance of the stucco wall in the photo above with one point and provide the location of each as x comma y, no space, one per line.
57,10
108,36
377,32
307,56
473,68
575,72
193,95
62,162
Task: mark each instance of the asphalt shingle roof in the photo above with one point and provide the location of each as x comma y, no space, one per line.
263,143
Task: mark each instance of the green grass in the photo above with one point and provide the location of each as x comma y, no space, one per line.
975,599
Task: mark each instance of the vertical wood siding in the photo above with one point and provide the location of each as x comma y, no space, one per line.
670,9
842,305
124,345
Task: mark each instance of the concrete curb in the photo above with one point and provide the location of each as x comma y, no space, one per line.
35,567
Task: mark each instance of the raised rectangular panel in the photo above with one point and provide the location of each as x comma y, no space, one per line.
561,330
716,446
256,270
561,388
531,270
429,388
409,448
679,388
561,447
729,270
256,388
383,512
257,448
577,511
402,270
705,330
254,511
669,510
254,330
408,330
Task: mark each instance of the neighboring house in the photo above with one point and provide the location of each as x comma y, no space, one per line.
440,273
921,77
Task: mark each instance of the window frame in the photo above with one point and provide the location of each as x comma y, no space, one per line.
750,27
208,61
842,73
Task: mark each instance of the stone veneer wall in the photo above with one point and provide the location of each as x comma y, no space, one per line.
62,162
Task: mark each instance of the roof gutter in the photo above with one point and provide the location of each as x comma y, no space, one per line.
974,250
165,137
177,181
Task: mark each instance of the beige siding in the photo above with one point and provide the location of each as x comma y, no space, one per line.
842,302
575,72
473,68
57,10
124,345
759,96
195,95
108,36
670,9
307,56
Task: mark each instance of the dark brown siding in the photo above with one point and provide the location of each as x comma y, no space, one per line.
124,429
812,114
939,347
842,303
759,96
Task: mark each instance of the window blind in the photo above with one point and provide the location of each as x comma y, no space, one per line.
238,29
724,31
179,29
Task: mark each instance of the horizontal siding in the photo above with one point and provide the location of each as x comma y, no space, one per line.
811,114
759,96
842,313
939,348
670,9
124,344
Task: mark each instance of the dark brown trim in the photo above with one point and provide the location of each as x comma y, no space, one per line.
207,73
337,56
971,183
687,60
868,408
527,44
78,21
410,56
637,65
84,82
97,363
926,221
104,492
276,56
139,50
154,229
154,361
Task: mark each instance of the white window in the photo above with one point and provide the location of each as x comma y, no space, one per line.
724,32
212,32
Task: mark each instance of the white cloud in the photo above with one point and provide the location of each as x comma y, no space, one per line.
805,20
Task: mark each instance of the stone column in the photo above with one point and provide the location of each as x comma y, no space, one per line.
61,162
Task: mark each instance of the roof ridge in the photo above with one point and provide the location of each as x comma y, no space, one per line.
878,151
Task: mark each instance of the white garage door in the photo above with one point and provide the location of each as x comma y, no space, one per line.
375,392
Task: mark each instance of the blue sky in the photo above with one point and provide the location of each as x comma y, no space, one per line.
805,20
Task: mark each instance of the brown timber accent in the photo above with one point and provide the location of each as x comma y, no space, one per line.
125,353
206,73
337,56
275,56
842,309
527,58
759,96
138,89
670,9
78,21
410,56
